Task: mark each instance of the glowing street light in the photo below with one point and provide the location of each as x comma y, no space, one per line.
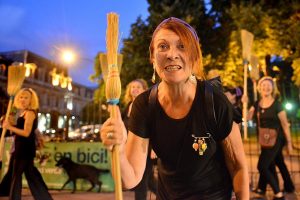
288,106
68,56
30,68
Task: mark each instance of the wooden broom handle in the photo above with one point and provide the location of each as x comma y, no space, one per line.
4,129
116,161
245,104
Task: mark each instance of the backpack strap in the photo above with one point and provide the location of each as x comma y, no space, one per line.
209,100
152,98
209,86
209,97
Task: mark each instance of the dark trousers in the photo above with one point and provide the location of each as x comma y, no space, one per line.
35,181
262,183
266,166
6,181
148,182
279,162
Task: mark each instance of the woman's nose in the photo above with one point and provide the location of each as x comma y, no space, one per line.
172,54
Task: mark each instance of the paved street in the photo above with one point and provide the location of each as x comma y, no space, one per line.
252,151
66,195
128,195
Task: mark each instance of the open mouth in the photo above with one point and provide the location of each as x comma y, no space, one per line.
171,68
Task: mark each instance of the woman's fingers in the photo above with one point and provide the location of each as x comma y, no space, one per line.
5,124
112,132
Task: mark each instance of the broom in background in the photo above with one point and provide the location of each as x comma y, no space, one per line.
247,40
16,76
113,90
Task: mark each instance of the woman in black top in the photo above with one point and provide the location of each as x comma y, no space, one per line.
197,158
133,89
26,101
272,115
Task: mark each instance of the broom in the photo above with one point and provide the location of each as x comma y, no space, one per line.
113,90
16,76
247,39
254,73
104,65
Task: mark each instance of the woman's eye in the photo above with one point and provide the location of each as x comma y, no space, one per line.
162,46
181,46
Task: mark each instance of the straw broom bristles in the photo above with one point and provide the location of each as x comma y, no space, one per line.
16,76
104,65
247,40
113,90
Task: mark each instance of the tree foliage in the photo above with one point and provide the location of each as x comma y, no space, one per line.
275,25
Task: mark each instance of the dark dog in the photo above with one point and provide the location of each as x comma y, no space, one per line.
76,171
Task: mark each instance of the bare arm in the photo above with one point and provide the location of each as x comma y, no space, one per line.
133,150
134,163
29,118
236,162
286,129
251,110
250,113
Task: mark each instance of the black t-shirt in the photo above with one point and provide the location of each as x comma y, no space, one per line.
183,173
269,116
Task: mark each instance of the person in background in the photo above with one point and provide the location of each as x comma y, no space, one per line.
26,101
133,89
272,115
195,160
234,96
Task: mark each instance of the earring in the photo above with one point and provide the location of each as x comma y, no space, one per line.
192,78
153,75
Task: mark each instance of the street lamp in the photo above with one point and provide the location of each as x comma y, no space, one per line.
68,56
65,82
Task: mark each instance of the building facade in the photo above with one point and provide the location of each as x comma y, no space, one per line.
60,102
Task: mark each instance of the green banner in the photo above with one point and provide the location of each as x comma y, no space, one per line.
93,154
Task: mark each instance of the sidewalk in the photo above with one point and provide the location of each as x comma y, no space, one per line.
252,152
67,195
127,195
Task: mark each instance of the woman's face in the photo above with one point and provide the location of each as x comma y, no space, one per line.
24,100
266,88
136,88
170,59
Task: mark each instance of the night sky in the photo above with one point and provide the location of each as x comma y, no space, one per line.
47,26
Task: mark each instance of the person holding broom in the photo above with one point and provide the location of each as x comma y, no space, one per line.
26,101
196,160
270,114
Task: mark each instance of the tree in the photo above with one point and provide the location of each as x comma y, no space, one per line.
136,62
265,22
296,67
275,25
233,65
